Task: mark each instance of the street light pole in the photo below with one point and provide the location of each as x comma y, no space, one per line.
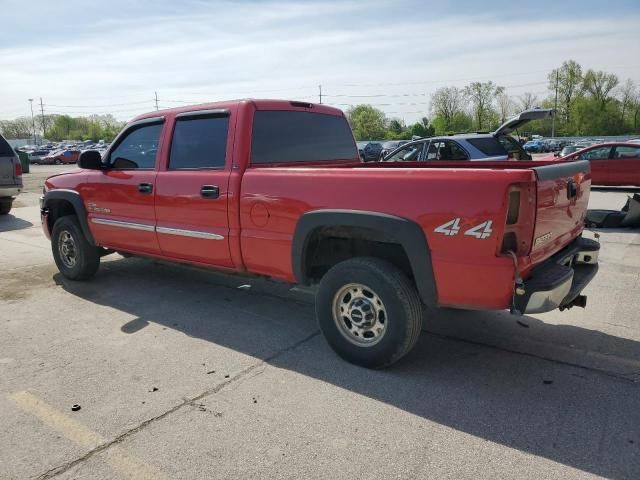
33,122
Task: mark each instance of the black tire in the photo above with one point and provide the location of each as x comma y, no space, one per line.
5,206
58,162
401,303
86,257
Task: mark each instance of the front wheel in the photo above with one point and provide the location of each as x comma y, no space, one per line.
58,162
75,257
369,312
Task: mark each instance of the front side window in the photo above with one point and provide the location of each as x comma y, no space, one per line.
293,136
408,153
627,152
138,148
599,153
199,143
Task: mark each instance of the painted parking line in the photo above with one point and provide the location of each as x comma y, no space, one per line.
121,461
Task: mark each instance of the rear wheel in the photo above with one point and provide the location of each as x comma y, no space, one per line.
369,312
75,257
5,206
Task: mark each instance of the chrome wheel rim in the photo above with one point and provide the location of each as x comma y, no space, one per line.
359,314
67,249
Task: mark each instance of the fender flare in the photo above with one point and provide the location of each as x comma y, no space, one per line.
76,202
380,227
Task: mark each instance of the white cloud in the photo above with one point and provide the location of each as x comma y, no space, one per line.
230,50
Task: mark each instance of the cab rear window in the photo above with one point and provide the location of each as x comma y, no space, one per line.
293,137
490,146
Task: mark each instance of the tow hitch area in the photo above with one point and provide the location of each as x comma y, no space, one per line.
559,281
579,301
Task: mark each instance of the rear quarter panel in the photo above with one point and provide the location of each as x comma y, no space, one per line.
467,269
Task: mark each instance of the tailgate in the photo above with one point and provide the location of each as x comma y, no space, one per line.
7,170
563,195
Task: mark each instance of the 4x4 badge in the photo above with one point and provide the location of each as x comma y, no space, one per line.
452,228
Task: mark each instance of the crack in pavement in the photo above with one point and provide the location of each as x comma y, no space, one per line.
53,472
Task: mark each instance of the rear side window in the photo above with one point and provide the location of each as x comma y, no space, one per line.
199,142
5,148
490,146
290,137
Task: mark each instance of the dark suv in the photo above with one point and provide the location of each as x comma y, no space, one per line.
498,145
10,176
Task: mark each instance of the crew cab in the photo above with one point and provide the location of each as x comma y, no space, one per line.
277,189
10,176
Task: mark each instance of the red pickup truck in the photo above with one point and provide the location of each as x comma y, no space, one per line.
277,188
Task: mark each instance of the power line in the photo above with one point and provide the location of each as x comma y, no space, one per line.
99,106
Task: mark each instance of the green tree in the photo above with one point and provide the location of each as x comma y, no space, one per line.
421,129
528,100
481,95
446,103
599,85
568,80
19,128
367,122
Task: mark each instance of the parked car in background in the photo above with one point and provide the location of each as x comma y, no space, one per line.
369,150
634,140
390,146
498,145
60,157
535,146
566,151
552,145
10,176
37,156
612,164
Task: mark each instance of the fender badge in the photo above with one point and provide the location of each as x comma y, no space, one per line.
542,239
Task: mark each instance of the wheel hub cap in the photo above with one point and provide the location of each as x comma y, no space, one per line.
359,314
67,249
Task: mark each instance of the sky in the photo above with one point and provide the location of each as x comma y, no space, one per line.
84,57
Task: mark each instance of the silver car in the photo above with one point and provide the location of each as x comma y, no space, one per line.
10,176
498,145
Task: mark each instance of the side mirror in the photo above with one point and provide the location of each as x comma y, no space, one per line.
90,160
557,154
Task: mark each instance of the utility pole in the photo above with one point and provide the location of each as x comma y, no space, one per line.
320,88
553,120
156,100
33,122
44,125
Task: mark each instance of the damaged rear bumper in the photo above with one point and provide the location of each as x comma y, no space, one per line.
559,281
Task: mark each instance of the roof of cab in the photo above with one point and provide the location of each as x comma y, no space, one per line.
259,104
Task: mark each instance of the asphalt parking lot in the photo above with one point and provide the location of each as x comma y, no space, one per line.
182,373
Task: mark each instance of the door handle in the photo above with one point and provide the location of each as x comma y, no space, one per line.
210,191
145,187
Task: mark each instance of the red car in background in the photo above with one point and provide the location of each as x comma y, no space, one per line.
61,157
612,164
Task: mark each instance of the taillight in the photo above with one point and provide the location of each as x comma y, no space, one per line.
514,207
18,169
521,210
